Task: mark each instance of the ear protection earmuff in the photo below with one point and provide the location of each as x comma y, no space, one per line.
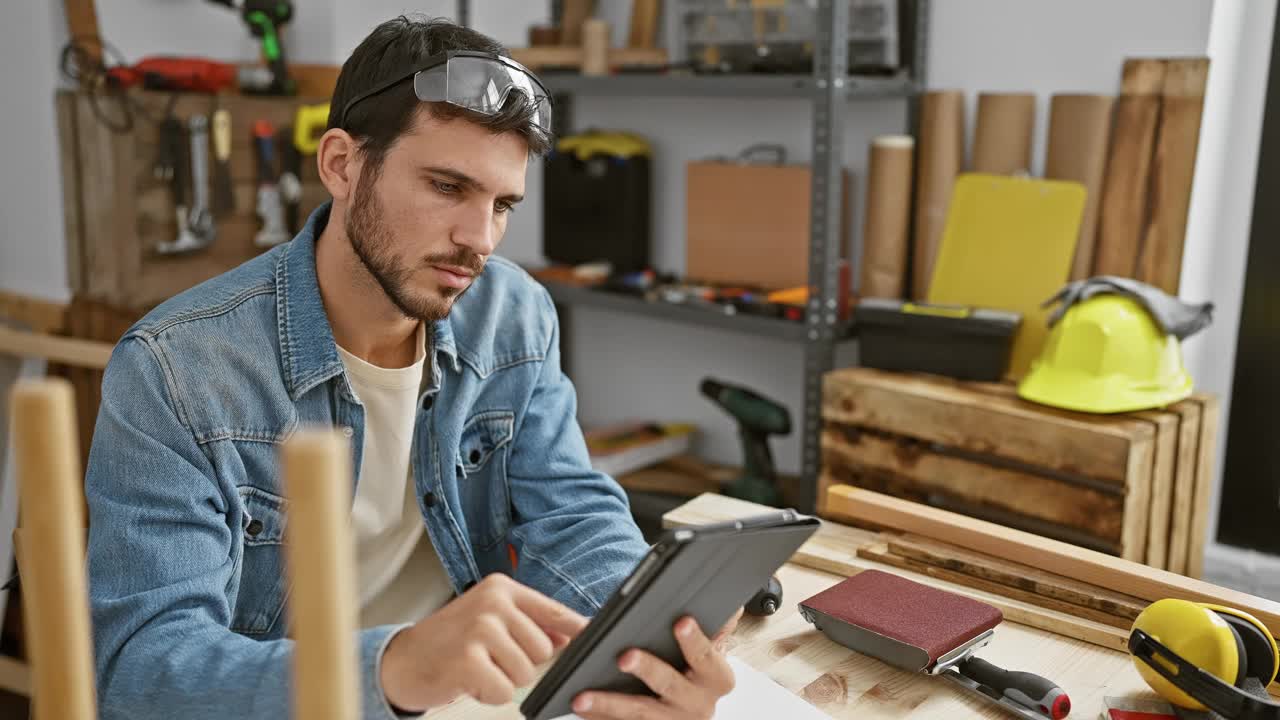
1199,656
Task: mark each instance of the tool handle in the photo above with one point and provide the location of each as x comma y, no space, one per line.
198,125
264,147
767,600
222,135
1027,689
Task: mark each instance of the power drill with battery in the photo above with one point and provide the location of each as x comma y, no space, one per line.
265,18
758,417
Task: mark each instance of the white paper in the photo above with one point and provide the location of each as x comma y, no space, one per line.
755,695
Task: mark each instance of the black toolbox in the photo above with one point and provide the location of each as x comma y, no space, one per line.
960,342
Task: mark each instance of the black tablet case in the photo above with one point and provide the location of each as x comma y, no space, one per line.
707,572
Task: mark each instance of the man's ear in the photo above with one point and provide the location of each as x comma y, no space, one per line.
338,162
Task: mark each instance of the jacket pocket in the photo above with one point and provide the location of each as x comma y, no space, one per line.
482,476
263,584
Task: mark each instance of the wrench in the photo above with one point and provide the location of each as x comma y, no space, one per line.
195,225
270,206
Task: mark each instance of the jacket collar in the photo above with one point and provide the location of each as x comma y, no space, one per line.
308,351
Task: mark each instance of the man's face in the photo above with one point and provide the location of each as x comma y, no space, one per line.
425,226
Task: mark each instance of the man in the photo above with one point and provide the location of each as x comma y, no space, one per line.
483,536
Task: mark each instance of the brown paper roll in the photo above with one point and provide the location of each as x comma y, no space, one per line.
595,47
1079,128
884,236
941,156
1002,137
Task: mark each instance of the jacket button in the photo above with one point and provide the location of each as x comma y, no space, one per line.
429,499
474,456
427,402
255,528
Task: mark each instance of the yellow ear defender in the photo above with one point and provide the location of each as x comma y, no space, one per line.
1199,656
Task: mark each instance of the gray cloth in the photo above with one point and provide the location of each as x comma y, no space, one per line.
1174,316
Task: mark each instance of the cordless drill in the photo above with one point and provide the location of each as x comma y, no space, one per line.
758,417
265,18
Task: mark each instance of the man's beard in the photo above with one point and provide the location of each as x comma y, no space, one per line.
372,242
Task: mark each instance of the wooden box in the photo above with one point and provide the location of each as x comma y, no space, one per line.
116,210
1134,485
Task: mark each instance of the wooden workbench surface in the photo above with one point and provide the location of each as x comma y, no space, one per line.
844,684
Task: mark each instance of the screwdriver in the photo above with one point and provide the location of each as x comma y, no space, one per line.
1031,691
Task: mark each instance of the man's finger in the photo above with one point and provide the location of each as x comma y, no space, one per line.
616,706
709,666
533,640
668,683
489,685
550,615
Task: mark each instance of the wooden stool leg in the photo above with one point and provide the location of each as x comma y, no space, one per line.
52,497
320,551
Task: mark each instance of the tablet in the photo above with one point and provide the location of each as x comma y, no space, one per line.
707,571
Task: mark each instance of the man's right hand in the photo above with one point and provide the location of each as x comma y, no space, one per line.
485,643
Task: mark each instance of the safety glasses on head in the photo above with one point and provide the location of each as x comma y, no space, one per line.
476,81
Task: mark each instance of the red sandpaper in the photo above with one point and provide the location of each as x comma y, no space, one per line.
926,617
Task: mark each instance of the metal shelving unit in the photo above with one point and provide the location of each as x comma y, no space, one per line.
830,89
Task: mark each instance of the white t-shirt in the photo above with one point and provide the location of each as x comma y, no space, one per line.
400,574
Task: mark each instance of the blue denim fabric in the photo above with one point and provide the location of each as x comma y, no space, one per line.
187,583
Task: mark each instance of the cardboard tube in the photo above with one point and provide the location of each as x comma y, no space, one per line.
941,156
884,236
595,47
47,459
1079,129
316,466
1002,137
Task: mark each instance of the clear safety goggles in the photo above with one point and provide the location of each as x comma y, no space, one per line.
476,81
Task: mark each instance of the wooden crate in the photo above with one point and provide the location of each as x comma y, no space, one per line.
1125,484
116,211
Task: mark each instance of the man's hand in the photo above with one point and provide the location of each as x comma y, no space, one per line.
485,643
690,695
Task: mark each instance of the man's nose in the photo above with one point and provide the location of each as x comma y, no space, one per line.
476,229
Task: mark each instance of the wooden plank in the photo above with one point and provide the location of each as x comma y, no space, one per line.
69,163
39,315
855,505
834,548
573,14
564,56
82,27
1079,129
881,553
850,452
1124,193
68,351
1162,473
1017,575
101,217
314,80
1210,415
1172,170
1110,449
15,676
1184,484
643,32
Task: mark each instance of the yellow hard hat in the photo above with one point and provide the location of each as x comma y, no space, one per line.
1107,355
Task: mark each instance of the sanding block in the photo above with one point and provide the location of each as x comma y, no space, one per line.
920,628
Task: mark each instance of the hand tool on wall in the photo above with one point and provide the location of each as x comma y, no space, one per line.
172,167
290,171
269,207
265,19
224,200
201,220
309,123
758,417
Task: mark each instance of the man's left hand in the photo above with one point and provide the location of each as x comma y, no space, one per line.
688,695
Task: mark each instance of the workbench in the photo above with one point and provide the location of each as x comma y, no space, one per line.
844,684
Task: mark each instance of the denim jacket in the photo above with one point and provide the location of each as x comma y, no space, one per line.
188,590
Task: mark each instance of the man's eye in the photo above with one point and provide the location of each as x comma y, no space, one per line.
446,188
502,208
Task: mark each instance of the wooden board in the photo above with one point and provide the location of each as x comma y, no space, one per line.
834,548
69,351
881,553
856,505
1017,575
1108,449
910,465
1162,484
1184,484
574,13
643,32
82,26
1124,194
1172,170
34,313
1079,130
1210,415
537,58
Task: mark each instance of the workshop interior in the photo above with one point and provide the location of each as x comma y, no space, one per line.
987,286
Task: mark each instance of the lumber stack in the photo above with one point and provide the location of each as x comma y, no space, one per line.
1134,485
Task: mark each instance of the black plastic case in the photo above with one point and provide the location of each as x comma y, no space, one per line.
963,343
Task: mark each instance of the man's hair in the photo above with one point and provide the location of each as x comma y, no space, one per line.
395,48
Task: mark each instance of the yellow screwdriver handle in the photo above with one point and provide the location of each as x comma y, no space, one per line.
308,120
221,134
